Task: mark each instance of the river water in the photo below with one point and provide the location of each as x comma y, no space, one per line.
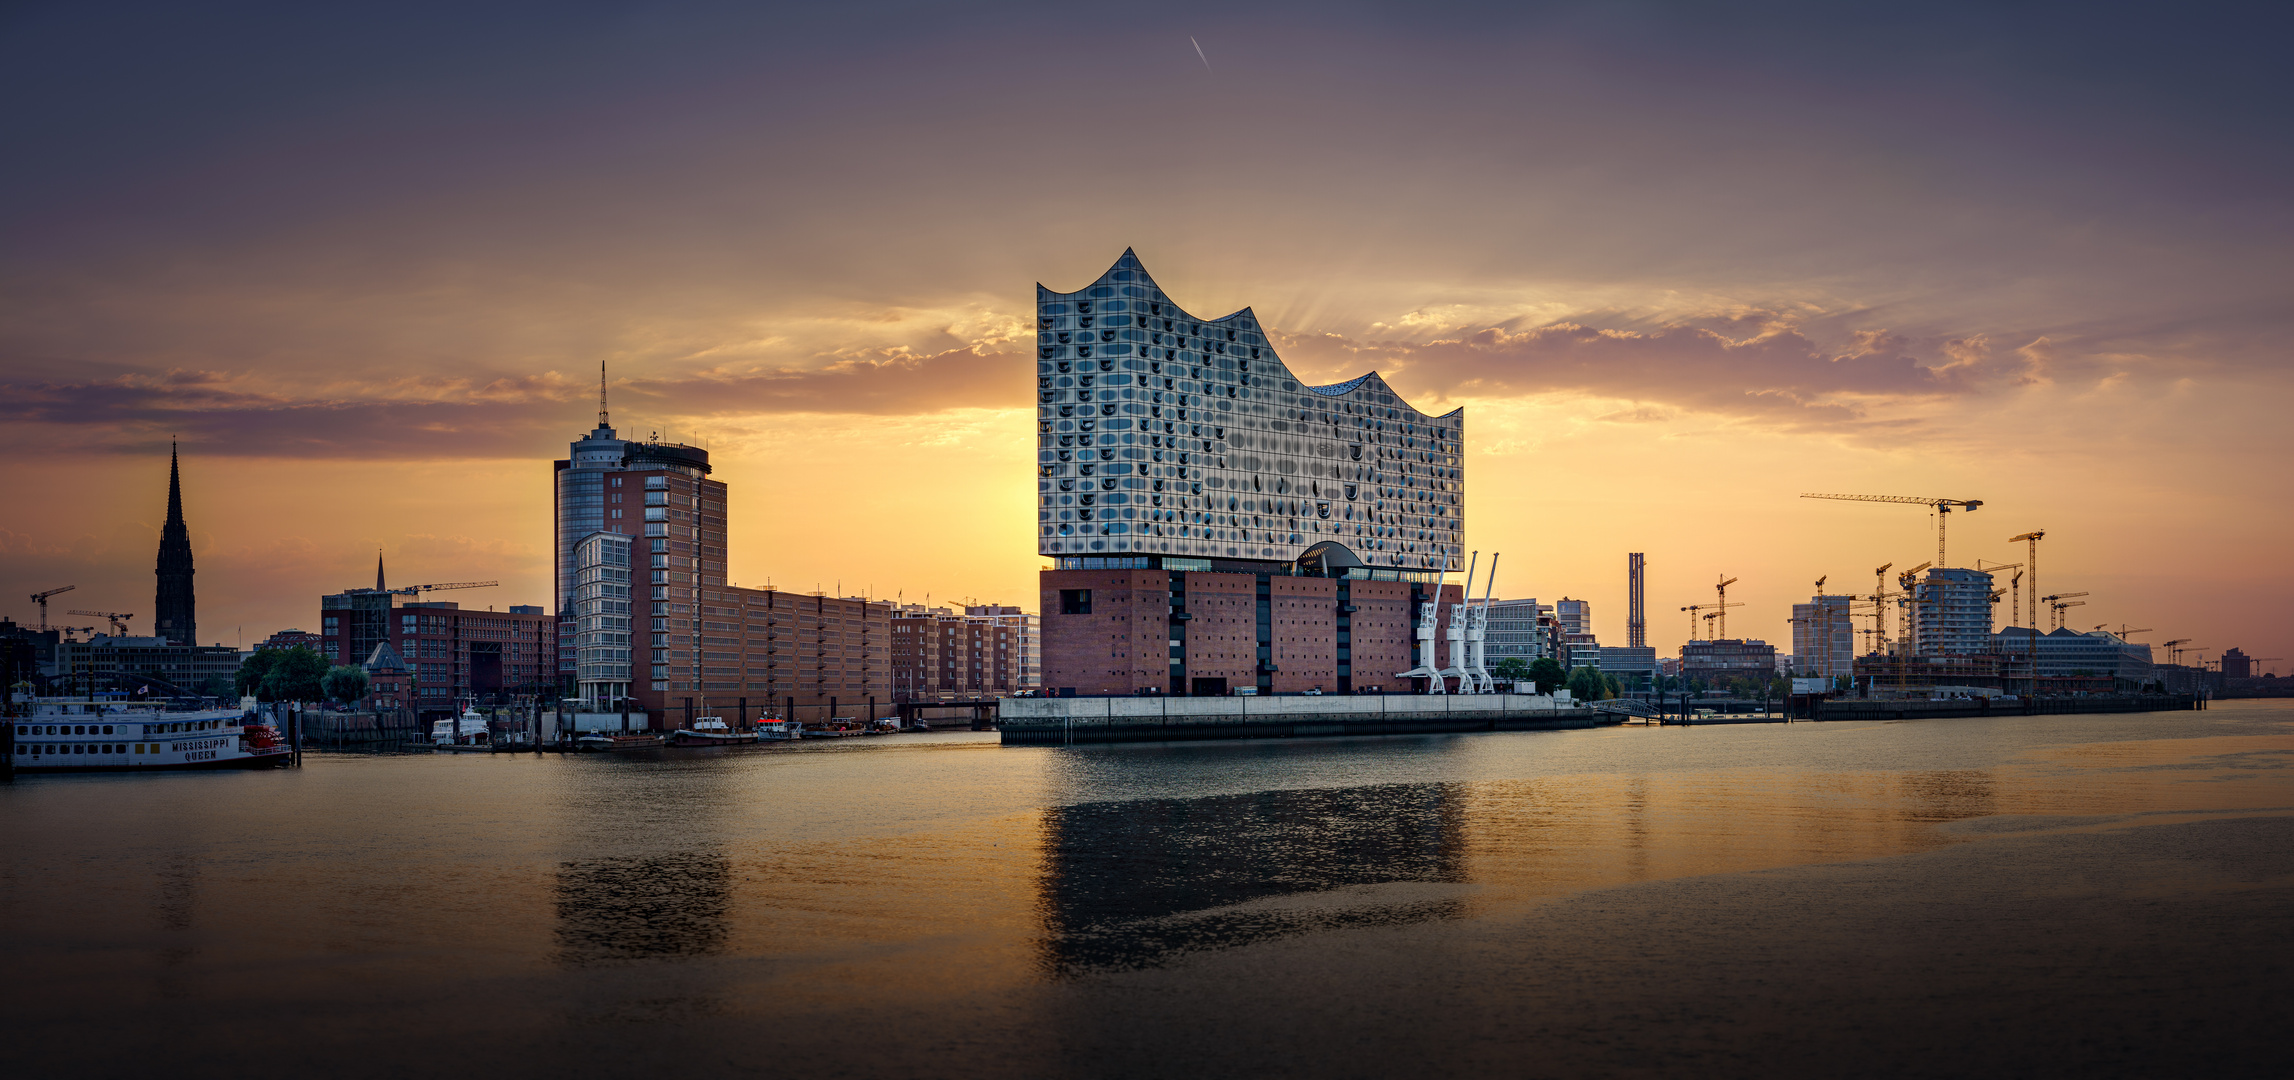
1518,904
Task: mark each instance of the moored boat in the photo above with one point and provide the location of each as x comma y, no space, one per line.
710,731
779,730
118,736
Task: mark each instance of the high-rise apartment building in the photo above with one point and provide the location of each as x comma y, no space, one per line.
1216,524
1824,637
1951,613
695,643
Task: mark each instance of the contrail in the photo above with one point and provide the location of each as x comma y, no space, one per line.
1199,52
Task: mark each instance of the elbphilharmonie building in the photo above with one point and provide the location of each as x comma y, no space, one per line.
1286,535
1163,433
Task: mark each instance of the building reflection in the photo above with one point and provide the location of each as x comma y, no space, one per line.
1128,884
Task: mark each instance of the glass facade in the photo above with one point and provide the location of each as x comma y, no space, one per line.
601,618
1162,433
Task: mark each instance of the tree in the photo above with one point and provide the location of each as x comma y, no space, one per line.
1547,671
294,675
1589,684
344,683
1512,669
251,671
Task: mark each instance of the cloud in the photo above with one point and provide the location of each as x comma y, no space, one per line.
1777,374
418,417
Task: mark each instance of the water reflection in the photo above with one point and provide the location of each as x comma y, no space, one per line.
1950,794
642,908
1129,884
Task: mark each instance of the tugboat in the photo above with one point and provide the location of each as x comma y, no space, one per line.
116,736
779,730
710,731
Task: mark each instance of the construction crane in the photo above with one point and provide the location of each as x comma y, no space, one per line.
2061,606
1879,608
411,590
1942,508
2031,563
2122,632
2015,597
2179,646
119,619
1709,617
41,598
1692,609
2170,646
1905,580
1724,605
2056,622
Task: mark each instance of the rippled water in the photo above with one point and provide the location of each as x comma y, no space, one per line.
385,907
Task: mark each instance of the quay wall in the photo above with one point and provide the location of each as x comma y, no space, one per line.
1853,709
1066,721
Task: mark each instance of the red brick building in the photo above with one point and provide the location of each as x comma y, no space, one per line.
939,655
1159,630
452,655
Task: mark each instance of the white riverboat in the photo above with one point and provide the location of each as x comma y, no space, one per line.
119,736
779,730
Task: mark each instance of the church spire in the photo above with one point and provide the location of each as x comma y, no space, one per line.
174,487
378,569
175,606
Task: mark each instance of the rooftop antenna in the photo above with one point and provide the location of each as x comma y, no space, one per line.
601,421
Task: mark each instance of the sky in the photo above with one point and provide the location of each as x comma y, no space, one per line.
1680,263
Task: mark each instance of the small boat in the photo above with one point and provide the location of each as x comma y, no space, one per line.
836,728
779,730
470,728
710,731
601,741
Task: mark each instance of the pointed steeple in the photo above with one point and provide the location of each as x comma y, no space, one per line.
175,606
174,487
378,569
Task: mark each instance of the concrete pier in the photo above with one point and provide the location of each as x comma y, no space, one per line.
1068,721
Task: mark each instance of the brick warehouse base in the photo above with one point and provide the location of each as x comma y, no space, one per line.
1066,721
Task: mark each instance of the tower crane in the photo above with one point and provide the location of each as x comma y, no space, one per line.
2015,597
1692,609
2057,622
1879,608
1724,605
119,619
2172,649
1905,580
1709,617
1722,615
1942,508
2122,632
2031,562
2061,606
41,598
411,590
